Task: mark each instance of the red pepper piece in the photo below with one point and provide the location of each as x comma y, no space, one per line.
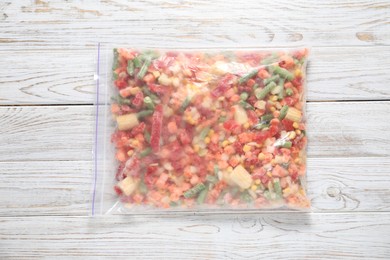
139,129
223,85
138,100
120,83
156,88
288,124
156,128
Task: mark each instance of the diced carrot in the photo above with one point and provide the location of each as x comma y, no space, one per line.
279,171
121,155
263,74
162,180
172,127
235,98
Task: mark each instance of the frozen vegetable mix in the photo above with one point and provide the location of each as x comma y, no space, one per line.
209,130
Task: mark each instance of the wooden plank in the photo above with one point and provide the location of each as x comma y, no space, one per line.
231,236
189,23
357,129
63,187
333,74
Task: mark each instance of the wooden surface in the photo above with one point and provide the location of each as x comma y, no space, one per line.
47,62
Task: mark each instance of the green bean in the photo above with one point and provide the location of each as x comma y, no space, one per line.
289,92
130,67
202,196
283,72
137,62
145,152
204,133
149,103
271,79
222,119
211,179
216,170
144,113
247,76
121,101
246,197
286,144
260,94
261,125
194,190
147,136
244,96
246,105
144,68
277,188
267,117
142,187
185,104
255,86
115,62
281,93
283,112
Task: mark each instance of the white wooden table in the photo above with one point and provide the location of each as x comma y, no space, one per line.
47,62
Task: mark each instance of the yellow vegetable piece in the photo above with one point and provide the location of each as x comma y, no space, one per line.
127,122
294,114
241,177
128,185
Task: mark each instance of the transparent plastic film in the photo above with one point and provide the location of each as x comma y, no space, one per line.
193,130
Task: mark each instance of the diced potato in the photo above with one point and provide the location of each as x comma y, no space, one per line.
277,90
126,122
164,80
128,185
260,104
241,177
293,114
227,177
240,115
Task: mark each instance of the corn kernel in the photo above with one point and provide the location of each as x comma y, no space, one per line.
272,109
156,73
253,187
261,156
274,98
207,140
235,89
246,125
211,132
257,182
246,148
252,167
230,169
295,125
287,190
269,174
298,161
298,72
273,162
298,132
196,148
292,135
225,143
130,152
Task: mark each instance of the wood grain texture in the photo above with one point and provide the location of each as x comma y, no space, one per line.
66,76
47,61
63,187
66,132
58,24
270,236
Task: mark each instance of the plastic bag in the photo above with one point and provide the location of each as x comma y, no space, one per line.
195,130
